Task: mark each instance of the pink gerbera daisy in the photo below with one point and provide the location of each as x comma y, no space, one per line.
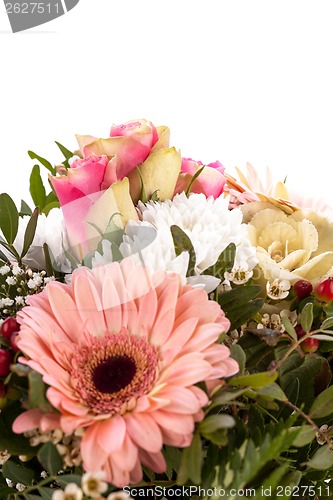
121,352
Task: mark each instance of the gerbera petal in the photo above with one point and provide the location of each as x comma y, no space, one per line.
144,431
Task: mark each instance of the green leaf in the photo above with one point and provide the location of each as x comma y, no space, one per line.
37,189
240,314
328,323
240,295
191,462
224,263
46,493
48,261
323,404
289,327
9,218
307,317
239,355
17,473
326,338
15,444
36,394
49,206
225,397
183,244
5,491
65,479
214,423
50,458
43,161
66,152
30,232
273,391
306,436
322,459
25,209
255,380
195,176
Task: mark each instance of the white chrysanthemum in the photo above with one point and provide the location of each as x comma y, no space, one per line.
208,223
50,230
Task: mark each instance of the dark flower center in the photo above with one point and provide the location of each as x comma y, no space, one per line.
114,374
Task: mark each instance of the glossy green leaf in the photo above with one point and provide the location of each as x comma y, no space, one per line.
195,176
322,459
30,232
50,458
36,394
323,404
328,323
305,436
289,327
255,380
43,161
183,244
273,391
17,473
66,152
214,423
191,462
9,218
37,189
25,209
15,444
65,479
307,317
239,355
49,206
224,263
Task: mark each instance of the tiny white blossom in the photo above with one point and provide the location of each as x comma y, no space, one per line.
7,302
19,300
11,280
71,492
20,487
119,495
31,284
93,484
17,270
278,289
4,270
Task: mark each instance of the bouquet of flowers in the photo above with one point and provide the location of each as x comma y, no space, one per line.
166,329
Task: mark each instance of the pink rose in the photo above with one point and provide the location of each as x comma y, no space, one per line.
137,144
210,181
106,181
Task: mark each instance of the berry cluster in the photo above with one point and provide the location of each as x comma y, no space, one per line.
9,331
323,292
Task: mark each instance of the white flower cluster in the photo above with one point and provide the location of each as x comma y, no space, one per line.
207,222
17,283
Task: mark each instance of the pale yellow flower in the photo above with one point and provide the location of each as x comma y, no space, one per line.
289,247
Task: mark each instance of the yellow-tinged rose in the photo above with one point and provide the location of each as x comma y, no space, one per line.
97,211
290,247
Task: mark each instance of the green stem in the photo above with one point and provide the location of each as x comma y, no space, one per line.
293,347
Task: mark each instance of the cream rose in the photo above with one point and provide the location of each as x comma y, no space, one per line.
290,247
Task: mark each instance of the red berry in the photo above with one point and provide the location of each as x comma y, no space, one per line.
302,288
9,326
310,345
299,331
324,290
5,361
13,343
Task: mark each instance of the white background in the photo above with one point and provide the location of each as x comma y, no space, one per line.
234,80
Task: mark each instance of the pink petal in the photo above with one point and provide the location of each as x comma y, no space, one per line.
27,421
111,434
144,431
155,461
